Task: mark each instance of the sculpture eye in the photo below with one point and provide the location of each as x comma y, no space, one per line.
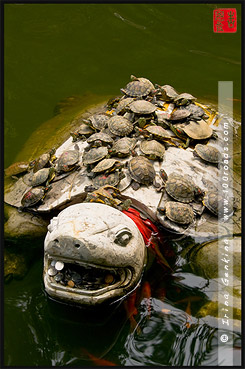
123,237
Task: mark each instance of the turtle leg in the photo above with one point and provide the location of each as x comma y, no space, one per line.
135,185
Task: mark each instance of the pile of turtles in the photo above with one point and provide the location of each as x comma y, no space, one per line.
134,132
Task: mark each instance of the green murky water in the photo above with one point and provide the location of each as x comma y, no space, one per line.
55,51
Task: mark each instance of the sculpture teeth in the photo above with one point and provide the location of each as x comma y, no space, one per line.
81,276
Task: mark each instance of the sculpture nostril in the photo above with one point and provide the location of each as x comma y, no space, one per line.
77,245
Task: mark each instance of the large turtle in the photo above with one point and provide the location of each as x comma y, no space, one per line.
123,147
142,172
152,149
207,153
193,130
139,87
177,212
45,159
142,107
180,187
120,126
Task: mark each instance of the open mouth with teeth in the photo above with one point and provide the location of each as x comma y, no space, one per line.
79,281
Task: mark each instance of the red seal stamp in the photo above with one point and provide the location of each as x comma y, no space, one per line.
225,20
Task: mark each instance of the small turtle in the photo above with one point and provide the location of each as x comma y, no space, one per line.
184,99
108,195
179,114
120,126
152,149
123,104
168,92
142,172
177,212
142,107
94,155
139,87
34,196
100,139
43,175
113,102
98,121
111,179
156,132
193,130
68,160
123,147
196,112
207,153
107,165
19,168
180,187
82,132
45,159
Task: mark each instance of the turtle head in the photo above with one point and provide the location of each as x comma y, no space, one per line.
163,175
32,164
198,192
161,210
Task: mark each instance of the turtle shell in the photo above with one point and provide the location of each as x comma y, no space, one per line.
142,107
41,176
197,130
211,200
139,87
120,126
43,160
180,188
180,114
100,136
99,121
33,196
179,213
208,153
102,180
153,149
168,92
122,105
158,132
195,110
104,165
142,170
94,155
123,146
84,130
67,160
184,99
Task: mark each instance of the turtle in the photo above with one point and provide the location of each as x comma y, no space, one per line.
180,187
152,149
142,172
94,155
34,196
19,168
45,159
123,147
179,114
156,132
122,105
68,160
82,132
139,87
107,165
108,195
120,126
98,121
113,102
177,212
168,92
209,154
193,130
111,179
142,107
196,112
44,175
184,99
100,139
